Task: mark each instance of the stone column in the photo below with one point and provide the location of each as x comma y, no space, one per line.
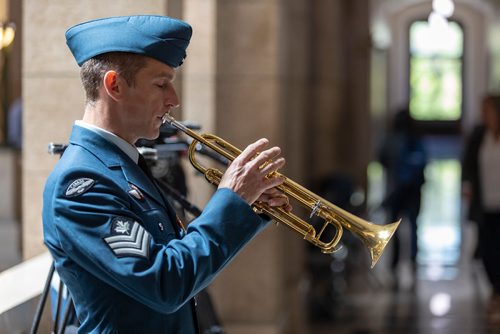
199,83
238,82
338,127
53,96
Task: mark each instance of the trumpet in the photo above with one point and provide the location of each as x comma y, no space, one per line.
374,237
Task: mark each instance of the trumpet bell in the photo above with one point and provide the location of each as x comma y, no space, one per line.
376,237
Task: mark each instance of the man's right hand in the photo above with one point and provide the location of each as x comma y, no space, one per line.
248,174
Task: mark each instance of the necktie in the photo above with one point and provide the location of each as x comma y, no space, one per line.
144,166
173,216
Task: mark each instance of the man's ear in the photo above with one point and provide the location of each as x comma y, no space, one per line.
112,84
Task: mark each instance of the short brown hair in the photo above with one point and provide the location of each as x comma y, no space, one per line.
92,71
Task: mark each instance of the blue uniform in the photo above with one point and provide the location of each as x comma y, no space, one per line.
117,245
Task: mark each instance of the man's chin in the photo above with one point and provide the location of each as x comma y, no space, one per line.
153,136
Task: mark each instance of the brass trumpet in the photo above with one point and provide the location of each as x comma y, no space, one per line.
374,237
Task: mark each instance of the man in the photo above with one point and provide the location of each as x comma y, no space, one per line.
117,243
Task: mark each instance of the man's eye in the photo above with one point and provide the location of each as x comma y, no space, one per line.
162,86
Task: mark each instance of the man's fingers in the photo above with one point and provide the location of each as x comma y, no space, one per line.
275,198
273,166
266,156
270,193
281,203
251,173
251,150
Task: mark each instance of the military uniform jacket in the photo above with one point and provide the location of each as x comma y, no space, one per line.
117,245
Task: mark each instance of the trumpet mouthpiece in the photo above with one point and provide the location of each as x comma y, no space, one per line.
166,118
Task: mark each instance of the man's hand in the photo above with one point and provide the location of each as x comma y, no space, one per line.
248,175
274,197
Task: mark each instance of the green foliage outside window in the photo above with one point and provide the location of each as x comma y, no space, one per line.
436,72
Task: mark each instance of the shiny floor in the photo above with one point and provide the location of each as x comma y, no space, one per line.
446,293
435,299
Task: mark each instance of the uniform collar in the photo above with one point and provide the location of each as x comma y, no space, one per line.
112,157
126,147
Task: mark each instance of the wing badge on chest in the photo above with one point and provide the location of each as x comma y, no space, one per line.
79,186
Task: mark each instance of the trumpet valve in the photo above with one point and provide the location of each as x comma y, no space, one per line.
315,208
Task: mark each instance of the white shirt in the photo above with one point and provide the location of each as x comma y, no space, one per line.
125,146
489,168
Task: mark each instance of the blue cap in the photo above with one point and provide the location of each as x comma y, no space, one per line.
159,37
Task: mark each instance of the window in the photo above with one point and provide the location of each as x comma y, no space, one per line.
436,66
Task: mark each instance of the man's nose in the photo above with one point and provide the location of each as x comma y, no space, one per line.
172,99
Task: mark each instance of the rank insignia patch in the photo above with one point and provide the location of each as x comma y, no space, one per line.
128,238
79,186
135,192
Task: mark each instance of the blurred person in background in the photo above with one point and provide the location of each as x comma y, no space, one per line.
404,158
481,188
